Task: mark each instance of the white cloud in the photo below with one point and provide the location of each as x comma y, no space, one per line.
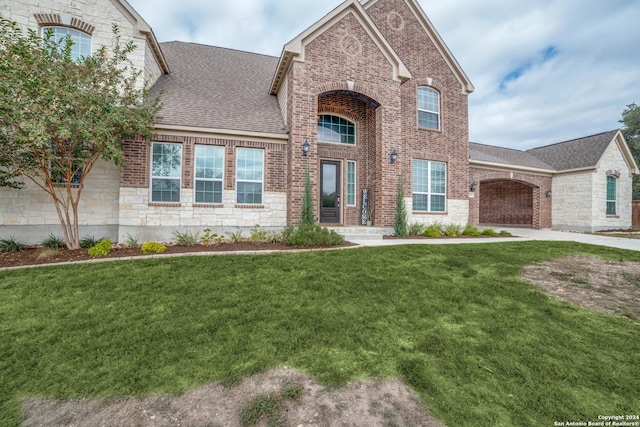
581,90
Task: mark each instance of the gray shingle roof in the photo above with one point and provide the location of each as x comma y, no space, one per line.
213,87
508,156
575,153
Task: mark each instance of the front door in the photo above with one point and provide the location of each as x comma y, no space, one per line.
329,192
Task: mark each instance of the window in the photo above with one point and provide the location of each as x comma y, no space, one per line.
166,172
429,186
611,195
428,108
81,42
209,173
249,176
336,129
351,183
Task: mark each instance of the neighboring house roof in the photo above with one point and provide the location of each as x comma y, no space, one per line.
576,153
217,88
506,156
295,48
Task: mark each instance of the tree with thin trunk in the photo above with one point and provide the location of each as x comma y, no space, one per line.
60,115
631,130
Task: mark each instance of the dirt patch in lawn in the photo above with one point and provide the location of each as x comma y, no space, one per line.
280,397
604,285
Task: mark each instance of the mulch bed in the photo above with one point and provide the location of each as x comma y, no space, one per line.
389,237
38,256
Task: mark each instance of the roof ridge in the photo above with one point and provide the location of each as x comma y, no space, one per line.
571,140
219,47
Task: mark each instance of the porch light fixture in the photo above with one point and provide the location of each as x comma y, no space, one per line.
474,186
305,147
548,193
394,157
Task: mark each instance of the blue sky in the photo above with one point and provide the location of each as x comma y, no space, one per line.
544,71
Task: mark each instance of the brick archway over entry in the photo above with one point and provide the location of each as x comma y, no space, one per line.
507,202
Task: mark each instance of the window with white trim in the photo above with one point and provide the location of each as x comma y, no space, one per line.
249,176
428,108
81,42
351,183
336,129
209,173
429,186
166,172
612,192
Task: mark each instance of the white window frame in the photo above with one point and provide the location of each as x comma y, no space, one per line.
161,177
350,122
75,37
219,148
429,193
428,90
261,181
615,199
355,182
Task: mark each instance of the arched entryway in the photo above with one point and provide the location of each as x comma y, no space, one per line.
507,202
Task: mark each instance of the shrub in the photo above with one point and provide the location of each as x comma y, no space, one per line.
433,231
312,236
273,237
489,232
400,225
416,229
471,230
11,245
101,249
185,239
153,248
131,242
306,216
88,242
257,236
236,236
53,242
504,233
452,230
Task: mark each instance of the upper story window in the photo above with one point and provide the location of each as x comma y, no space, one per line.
336,129
81,42
428,108
611,195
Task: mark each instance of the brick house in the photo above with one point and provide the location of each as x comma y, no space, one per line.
367,97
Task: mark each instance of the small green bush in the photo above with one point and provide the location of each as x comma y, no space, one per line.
236,236
153,248
211,238
131,242
88,242
101,249
490,232
53,242
11,245
433,231
471,230
452,230
256,235
312,236
185,239
416,229
504,233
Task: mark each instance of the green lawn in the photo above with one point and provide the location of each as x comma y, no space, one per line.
480,346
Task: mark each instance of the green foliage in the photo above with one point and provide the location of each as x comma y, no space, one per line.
11,245
186,239
490,232
236,236
504,233
59,115
101,249
88,242
433,231
53,242
209,238
416,229
307,217
471,230
452,230
400,225
270,407
311,236
153,248
631,130
131,242
256,235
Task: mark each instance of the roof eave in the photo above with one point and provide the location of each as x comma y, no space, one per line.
626,152
510,166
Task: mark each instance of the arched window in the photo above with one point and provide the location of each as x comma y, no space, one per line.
611,195
428,108
336,129
81,41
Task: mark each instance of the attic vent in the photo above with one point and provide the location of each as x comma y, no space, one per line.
612,172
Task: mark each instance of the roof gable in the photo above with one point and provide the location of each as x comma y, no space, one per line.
425,22
295,49
481,153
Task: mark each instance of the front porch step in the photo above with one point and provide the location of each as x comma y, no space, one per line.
362,233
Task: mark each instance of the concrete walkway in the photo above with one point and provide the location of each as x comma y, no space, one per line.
520,234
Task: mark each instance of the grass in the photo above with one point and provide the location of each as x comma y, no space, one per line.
479,345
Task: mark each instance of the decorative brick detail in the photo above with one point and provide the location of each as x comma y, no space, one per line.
45,19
